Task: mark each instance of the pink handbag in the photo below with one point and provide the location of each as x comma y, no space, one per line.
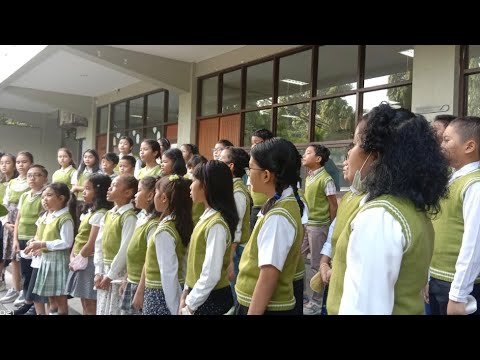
79,263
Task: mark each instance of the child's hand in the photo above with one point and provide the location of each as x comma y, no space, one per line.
230,272
105,283
122,287
10,227
37,252
137,302
36,245
98,279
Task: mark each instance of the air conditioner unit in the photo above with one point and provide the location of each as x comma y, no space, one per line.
70,120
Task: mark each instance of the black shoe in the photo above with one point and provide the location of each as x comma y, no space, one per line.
31,311
23,309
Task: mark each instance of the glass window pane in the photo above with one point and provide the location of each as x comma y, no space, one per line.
338,154
209,96
136,113
232,84
102,121
254,120
155,108
473,95
397,97
119,116
137,137
172,107
292,123
295,77
155,132
259,85
337,69
335,118
114,139
473,56
388,64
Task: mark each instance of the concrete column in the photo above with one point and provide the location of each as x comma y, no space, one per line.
187,124
435,80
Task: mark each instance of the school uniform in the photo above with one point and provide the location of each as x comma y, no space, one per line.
165,268
81,283
110,259
209,291
138,163
275,240
136,250
64,176
155,171
53,271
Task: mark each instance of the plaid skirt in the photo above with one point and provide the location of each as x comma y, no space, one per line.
127,299
8,235
80,283
52,274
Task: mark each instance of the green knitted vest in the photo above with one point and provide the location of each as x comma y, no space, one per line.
153,278
81,180
84,231
197,249
282,298
156,170
239,186
112,234
419,235
318,206
449,228
14,196
51,231
30,210
136,250
65,177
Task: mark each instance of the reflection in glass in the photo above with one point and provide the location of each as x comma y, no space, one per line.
388,64
155,108
154,132
337,69
259,85
172,107
335,118
255,120
137,137
136,113
397,97
473,56
119,116
209,96
102,122
337,154
292,122
295,77
232,83
473,95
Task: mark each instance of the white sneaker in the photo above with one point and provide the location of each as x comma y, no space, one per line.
10,296
20,300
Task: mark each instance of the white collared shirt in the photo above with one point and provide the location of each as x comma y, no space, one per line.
119,263
212,265
467,267
241,205
165,245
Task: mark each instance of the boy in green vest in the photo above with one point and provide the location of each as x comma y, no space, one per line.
455,265
109,164
321,197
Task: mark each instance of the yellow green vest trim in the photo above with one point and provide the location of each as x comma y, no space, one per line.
51,231
318,206
64,177
156,170
112,234
418,232
136,250
282,298
84,231
449,228
30,211
198,247
153,277
14,196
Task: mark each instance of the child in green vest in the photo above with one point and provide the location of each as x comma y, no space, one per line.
125,147
455,266
164,272
381,257
56,242
149,152
29,209
137,247
109,163
321,197
173,163
80,283
7,173
207,289
90,165
16,187
237,160
67,167
269,261
126,165
197,208
116,229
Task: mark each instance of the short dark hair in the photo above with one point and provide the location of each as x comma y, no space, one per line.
321,151
468,127
130,159
41,167
224,142
128,138
195,160
179,167
445,119
239,158
264,134
112,157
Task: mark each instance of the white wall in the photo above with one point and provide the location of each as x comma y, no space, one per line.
435,79
42,140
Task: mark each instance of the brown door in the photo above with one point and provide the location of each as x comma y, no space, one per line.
101,145
214,129
230,129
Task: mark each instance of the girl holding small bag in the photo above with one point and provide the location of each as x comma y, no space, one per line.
80,281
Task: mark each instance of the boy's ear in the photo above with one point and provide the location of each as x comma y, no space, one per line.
318,159
470,146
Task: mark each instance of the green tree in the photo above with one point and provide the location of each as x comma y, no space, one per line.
403,94
473,90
